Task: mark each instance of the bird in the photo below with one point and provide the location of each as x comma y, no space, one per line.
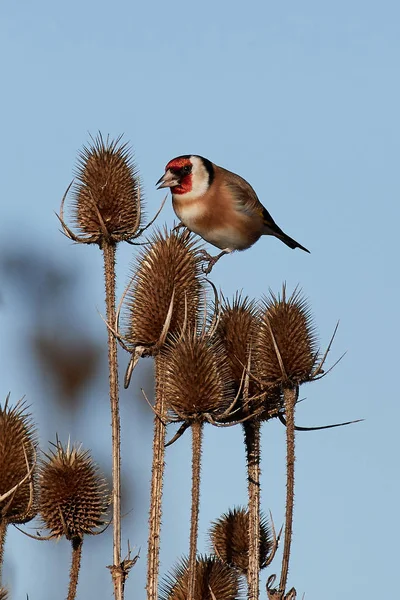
218,205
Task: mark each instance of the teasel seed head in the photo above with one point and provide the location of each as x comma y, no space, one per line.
238,325
107,191
18,443
73,494
229,537
285,345
214,580
167,290
3,593
197,379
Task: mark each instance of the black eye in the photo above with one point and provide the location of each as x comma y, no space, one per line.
186,169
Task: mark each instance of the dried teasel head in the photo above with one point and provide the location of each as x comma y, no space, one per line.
197,381
73,494
238,325
106,192
229,537
18,443
214,580
3,593
285,346
167,290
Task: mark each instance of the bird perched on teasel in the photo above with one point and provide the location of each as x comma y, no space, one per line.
218,205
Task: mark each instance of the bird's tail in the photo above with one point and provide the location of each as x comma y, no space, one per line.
271,228
290,241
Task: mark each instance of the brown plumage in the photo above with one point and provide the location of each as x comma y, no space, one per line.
219,205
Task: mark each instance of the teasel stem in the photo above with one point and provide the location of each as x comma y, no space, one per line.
197,438
290,395
75,567
252,434
157,475
3,531
117,571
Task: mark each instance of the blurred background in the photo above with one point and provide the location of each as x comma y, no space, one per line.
301,99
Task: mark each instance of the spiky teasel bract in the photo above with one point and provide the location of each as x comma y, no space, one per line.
197,380
106,192
285,345
167,290
73,494
214,580
229,537
18,443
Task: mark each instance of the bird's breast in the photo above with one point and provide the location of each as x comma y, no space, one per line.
221,228
190,212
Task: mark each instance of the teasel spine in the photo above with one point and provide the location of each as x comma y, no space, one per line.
75,567
290,395
157,476
252,436
117,571
197,438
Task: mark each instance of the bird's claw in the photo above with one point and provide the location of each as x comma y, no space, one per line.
210,260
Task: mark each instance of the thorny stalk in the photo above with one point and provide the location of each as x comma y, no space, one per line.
3,531
290,395
252,441
75,566
157,474
117,570
197,436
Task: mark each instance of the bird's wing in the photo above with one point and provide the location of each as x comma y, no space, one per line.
245,196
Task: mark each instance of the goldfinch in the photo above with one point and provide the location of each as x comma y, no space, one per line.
218,205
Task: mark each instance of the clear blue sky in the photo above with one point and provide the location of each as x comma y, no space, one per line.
302,99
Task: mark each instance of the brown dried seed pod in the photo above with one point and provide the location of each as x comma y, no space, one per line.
106,192
285,344
214,580
237,323
18,444
197,378
167,269
229,537
73,494
3,594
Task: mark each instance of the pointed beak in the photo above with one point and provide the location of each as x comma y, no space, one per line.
167,180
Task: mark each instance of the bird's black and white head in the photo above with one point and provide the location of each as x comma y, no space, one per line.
188,176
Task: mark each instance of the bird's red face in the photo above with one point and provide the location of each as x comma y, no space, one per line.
178,175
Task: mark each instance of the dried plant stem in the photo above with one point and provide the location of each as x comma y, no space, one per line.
3,531
290,398
157,474
117,571
197,437
252,441
75,566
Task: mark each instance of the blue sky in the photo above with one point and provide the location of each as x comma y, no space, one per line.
301,99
